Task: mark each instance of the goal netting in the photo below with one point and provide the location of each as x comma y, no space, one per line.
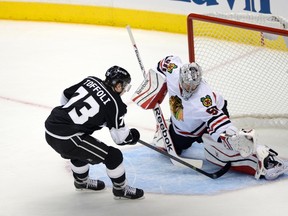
245,58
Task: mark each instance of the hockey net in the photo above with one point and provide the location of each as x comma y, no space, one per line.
245,58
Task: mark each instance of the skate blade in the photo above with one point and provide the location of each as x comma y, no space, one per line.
125,198
89,190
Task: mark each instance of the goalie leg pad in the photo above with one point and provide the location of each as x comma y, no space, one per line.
242,142
217,154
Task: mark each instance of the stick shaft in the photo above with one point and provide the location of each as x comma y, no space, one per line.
136,50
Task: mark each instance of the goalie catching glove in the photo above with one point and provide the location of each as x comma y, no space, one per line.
132,138
242,141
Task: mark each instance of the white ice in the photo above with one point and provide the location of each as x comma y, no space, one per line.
37,61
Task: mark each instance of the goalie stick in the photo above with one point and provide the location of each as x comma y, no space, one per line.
214,175
161,121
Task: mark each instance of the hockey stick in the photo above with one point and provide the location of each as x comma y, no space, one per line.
160,118
136,50
168,140
214,175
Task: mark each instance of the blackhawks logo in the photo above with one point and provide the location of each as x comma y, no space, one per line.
206,101
170,67
176,107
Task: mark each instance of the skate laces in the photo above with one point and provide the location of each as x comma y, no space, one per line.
129,190
91,182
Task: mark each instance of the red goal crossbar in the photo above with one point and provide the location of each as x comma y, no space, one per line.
191,17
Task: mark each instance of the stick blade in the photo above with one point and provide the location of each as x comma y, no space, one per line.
196,163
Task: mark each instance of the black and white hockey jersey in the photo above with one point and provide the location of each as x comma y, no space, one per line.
90,105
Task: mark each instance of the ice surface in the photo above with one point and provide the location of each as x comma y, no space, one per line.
38,60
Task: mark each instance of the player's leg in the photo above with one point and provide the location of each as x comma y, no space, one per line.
82,181
116,172
85,150
181,142
80,152
96,152
263,163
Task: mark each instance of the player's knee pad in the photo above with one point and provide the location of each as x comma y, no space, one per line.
114,158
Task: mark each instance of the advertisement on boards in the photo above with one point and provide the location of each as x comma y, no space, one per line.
184,7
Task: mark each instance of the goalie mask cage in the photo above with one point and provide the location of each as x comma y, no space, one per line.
247,63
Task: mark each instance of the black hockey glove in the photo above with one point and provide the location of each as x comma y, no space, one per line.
132,138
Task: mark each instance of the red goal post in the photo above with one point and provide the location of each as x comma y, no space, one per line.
246,62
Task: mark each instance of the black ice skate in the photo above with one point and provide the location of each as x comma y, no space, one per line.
128,192
89,184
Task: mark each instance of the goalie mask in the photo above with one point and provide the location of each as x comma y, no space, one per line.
190,77
115,75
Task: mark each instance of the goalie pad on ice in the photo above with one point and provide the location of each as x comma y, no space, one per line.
151,91
243,142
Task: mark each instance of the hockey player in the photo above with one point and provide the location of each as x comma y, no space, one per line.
198,114
86,107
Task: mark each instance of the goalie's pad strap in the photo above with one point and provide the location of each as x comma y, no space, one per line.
151,91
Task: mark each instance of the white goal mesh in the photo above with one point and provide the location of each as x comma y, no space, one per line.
247,63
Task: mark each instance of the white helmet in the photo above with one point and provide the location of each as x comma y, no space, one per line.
190,77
